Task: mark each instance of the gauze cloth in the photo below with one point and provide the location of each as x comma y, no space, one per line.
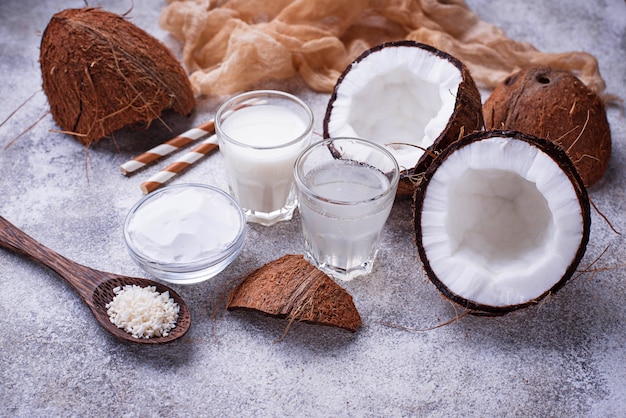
231,45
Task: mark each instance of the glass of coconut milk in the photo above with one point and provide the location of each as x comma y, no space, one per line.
346,188
260,134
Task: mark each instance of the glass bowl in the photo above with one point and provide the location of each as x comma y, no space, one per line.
185,233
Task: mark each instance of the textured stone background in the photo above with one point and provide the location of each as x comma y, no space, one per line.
564,357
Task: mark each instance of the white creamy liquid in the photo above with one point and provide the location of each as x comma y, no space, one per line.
262,179
341,235
184,225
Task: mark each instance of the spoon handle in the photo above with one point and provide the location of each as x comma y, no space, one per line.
81,278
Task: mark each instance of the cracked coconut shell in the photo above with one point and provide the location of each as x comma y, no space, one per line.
555,105
102,73
293,288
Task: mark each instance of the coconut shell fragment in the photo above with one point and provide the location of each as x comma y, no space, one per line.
555,105
101,73
292,288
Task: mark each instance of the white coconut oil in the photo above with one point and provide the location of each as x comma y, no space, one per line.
184,225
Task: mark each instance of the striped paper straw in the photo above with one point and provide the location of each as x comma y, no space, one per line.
168,147
159,179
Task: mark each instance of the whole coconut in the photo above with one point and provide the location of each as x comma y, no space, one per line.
555,105
101,73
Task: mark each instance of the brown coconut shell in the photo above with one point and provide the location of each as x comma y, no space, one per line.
559,156
556,105
292,288
467,116
101,73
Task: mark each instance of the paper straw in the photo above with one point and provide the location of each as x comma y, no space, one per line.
168,147
159,179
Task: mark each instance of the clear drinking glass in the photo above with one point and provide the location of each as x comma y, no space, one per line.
260,134
346,188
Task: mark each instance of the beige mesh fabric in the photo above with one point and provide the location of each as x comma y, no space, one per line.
230,45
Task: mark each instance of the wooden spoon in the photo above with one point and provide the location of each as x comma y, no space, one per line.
93,286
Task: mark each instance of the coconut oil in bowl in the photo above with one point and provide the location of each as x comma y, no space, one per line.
186,233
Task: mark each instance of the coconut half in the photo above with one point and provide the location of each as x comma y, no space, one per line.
501,219
409,97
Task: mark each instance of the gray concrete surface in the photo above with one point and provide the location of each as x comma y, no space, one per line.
565,357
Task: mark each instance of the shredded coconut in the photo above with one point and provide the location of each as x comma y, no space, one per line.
142,311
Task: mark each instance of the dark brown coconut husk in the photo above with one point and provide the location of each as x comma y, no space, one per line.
101,73
292,288
466,118
555,105
561,159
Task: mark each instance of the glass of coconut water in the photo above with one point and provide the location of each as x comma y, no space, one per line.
346,188
260,135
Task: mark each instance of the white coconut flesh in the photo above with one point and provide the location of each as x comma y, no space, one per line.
400,97
501,222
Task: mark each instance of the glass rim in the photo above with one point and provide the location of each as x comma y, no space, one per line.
248,96
301,186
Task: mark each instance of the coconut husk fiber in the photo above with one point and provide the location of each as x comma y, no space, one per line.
101,73
231,45
555,105
291,287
